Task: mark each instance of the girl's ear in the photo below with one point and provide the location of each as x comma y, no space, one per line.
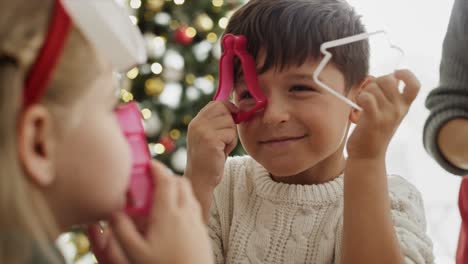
355,114
36,145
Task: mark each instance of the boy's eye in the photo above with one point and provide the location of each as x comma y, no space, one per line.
300,88
245,95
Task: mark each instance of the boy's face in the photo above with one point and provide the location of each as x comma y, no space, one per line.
302,126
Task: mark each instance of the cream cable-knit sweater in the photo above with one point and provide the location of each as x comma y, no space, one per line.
256,220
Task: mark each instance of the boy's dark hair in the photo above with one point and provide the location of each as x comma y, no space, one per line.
291,32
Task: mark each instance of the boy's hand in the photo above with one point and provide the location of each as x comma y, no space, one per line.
384,107
175,231
212,135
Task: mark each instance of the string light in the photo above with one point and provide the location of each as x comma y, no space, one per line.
175,134
126,95
159,149
212,37
156,68
204,23
146,113
160,40
174,24
186,119
154,5
190,78
191,32
223,22
210,78
154,86
133,73
218,3
192,93
135,4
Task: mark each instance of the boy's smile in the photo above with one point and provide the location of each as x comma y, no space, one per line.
281,142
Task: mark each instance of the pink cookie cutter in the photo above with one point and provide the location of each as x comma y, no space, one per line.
237,46
140,190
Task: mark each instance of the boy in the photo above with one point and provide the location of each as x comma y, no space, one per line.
296,198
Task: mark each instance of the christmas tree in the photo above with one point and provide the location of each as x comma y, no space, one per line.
181,76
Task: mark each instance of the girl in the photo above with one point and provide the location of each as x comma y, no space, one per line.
64,160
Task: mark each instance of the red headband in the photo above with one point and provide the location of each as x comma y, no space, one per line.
41,72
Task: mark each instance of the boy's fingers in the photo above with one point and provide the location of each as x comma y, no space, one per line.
368,80
222,122
412,85
219,108
389,86
208,110
229,138
231,146
131,241
367,101
376,91
231,107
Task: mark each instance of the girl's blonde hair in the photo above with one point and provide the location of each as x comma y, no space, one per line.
26,222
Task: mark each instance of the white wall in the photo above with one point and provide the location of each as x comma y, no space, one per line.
419,26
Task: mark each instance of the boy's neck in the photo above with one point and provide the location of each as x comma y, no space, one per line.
324,171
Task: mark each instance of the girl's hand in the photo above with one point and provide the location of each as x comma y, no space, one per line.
175,232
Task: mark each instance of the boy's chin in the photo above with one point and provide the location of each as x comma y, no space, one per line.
283,171
285,167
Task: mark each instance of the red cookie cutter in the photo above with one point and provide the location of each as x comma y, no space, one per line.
237,46
140,190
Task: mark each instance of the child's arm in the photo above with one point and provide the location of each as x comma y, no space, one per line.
212,135
368,231
453,144
446,127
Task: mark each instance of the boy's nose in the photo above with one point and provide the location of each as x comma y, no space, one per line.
275,112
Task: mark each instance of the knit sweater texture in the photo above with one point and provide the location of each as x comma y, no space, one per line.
254,219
